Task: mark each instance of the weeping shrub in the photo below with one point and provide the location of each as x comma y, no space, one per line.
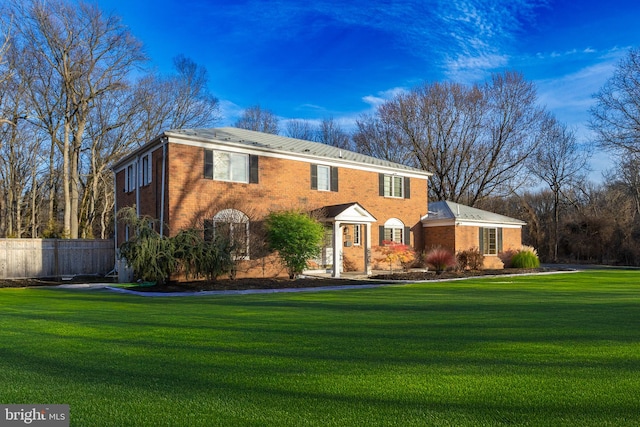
525,259
440,259
149,254
154,258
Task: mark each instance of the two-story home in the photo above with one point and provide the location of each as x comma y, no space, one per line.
227,180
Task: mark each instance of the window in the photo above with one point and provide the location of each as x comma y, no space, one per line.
130,178
490,241
232,225
394,186
227,166
324,178
145,169
356,235
394,231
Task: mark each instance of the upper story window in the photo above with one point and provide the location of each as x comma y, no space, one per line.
228,166
394,186
130,177
145,169
490,241
138,171
324,178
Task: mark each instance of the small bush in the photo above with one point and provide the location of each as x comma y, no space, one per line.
295,236
525,259
440,259
471,259
395,253
506,257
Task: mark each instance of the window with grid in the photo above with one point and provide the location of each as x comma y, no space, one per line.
233,226
490,241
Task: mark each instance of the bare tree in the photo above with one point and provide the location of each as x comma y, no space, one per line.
258,119
90,55
615,117
378,136
474,139
331,133
300,129
559,161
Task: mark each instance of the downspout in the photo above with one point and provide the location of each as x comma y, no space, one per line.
115,213
138,178
162,185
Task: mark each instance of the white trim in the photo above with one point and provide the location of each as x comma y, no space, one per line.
355,214
451,223
320,160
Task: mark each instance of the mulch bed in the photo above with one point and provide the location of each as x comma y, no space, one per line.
271,283
311,282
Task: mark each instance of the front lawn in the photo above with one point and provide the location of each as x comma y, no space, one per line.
534,350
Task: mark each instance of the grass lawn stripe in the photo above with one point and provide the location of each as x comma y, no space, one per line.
531,350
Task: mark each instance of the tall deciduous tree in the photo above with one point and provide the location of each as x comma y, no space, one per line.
615,117
300,129
559,161
331,133
258,119
474,139
90,56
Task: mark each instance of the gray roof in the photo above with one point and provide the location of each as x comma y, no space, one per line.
450,210
281,144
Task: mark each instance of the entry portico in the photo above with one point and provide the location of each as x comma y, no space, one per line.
339,216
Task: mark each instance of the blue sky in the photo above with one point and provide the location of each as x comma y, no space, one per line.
315,59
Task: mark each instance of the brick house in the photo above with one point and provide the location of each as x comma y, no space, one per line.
458,227
228,179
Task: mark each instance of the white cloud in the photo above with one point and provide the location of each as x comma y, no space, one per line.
230,112
468,69
381,97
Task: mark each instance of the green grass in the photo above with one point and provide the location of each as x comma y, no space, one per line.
537,350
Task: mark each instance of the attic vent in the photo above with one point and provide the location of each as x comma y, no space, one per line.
306,150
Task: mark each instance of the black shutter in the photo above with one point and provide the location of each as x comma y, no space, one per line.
499,242
208,164
334,179
481,240
381,231
407,187
381,183
209,231
407,236
314,177
253,169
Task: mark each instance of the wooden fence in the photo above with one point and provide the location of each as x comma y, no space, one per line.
34,258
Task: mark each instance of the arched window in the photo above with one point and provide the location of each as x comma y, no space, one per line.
233,225
393,231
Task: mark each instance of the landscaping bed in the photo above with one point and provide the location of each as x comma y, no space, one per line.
311,282
272,283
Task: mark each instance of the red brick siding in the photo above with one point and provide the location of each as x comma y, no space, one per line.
283,184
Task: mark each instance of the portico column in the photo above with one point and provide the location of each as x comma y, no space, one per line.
337,249
367,249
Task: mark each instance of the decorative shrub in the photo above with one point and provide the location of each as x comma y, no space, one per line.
440,259
471,259
395,253
150,255
525,259
506,257
295,236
